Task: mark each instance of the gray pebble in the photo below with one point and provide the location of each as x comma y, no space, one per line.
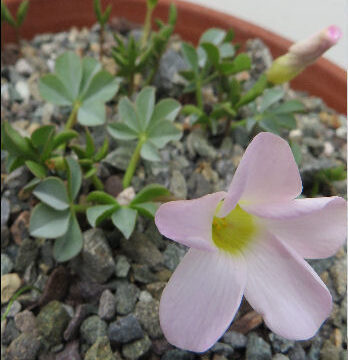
92,328
5,210
280,344
178,185
24,347
173,255
235,339
147,314
25,321
100,350
107,305
6,264
125,330
136,349
122,266
280,357
222,349
257,348
126,297
329,351
177,354
143,274
297,353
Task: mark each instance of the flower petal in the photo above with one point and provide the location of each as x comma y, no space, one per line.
189,222
201,299
285,290
267,173
314,228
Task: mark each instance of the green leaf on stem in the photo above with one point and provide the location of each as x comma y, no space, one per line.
149,152
74,177
103,151
6,15
91,113
64,137
124,219
96,214
144,104
122,131
289,107
101,197
36,169
190,55
52,192
146,209
270,97
166,109
54,91
22,12
150,193
213,35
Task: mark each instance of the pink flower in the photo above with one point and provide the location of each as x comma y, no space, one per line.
251,240
302,54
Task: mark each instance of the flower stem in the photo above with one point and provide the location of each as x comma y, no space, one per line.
147,27
133,163
73,117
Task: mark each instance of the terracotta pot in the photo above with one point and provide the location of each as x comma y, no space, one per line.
323,79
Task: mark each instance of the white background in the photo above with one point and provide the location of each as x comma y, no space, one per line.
293,19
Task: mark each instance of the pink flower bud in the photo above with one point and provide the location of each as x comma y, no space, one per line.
302,54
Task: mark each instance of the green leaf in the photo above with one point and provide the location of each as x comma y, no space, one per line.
92,171
22,12
128,114
151,4
144,104
6,15
124,219
52,192
212,53
166,109
68,68
90,147
36,169
102,88
190,56
42,135
97,10
146,209
53,90
48,223
270,124
250,123
96,214
15,144
173,14
101,197
91,113
270,97
296,151
106,14
191,110
70,244
74,177
149,152
254,92
13,162
227,50
287,121
31,184
150,193
289,107
63,137
103,151
241,63
121,131
213,35
90,67
163,132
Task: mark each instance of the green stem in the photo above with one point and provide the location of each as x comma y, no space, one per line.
131,84
101,42
238,123
133,163
73,117
147,27
79,208
199,96
97,182
15,297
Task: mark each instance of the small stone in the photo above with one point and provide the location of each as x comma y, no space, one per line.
336,337
6,264
20,227
97,262
177,354
51,322
141,250
280,357
100,350
257,348
82,311
122,266
329,351
339,276
27,254
197,143
9,332
70,352
143,274
222,349
92,328
172,256
23,67
24,347
113,185
297,353
15,308
25,321
247,322
125,330
10,283
5,210
147,314
280,344
107,305
136,349
178,185
156,289
126,297
23,90
145,296
235,339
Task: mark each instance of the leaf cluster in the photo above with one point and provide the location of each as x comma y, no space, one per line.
54,217
101,16
21,14
124,216
149,123
81,84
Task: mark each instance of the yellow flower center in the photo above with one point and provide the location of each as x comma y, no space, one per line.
233,232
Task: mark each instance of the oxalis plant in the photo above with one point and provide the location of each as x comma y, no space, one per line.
232,250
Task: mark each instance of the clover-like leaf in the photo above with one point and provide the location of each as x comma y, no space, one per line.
98,213
145,103
122,131
63,137
91,113
128,115
22,12
163,132
166,109
149,152
146,209
190,55
52,192
69,70
212,53
150,193
46,222
101,197
289,107
70,244
36,169
213,35
54,91
90,67
124,219
270,97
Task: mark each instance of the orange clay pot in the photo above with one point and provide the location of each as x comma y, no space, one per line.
323,79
